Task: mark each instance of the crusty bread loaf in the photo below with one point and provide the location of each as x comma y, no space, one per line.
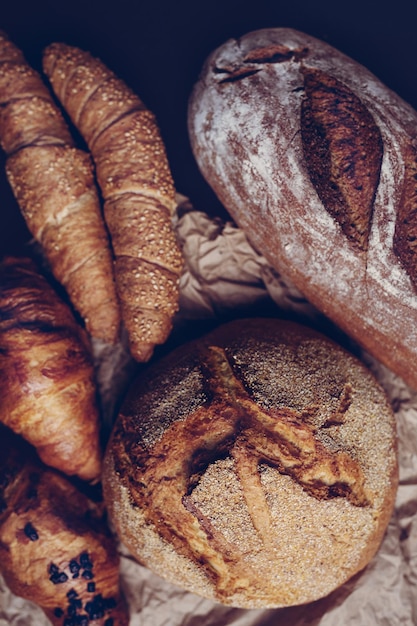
255,466
316,160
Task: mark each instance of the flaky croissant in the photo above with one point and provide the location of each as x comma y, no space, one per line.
47,387
54,186
55,547
137,187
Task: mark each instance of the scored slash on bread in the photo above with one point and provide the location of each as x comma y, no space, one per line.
55,547
343,151
315,159
47,388
283,438
136,183
53,183
255,466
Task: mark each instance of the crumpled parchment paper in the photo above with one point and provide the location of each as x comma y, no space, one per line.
225,276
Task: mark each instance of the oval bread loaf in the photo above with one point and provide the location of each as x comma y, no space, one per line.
316,160
255,466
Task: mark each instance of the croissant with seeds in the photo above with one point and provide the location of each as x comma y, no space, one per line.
54,185
136,183
55,547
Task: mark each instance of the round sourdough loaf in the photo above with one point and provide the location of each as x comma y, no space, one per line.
316,160
255,466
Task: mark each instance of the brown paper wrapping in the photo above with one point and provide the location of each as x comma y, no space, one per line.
224,275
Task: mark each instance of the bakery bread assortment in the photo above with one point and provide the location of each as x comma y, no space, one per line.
53,182
315,159
55,547
255,466
136,183
47,381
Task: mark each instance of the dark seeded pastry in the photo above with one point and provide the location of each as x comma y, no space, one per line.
255,466
55,548
316,160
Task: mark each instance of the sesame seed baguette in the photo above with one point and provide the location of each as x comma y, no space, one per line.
136,183
55,547
47,388
54,185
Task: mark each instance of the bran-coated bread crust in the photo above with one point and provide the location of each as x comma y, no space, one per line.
256,466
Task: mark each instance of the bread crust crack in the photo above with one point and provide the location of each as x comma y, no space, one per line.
232,425
343,152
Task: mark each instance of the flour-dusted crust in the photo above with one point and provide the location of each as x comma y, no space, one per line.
255,466
316,160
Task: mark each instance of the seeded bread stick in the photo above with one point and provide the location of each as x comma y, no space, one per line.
137,187
47,389
54,186
55,548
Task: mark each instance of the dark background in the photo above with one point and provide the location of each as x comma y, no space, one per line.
158,48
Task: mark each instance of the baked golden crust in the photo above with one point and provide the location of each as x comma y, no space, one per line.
54,185
255,466
47,387
136,183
